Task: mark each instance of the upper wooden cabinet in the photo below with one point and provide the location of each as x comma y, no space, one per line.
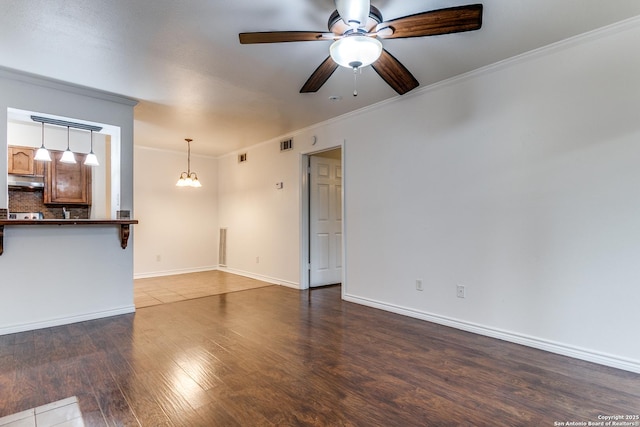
21,160
67,184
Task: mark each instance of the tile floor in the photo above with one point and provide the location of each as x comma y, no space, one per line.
159,290
63,413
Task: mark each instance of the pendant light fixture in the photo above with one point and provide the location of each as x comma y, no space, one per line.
91,159
188,178
68,156
42,153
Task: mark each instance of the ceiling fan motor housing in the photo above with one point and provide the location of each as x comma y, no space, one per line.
354,13
338,26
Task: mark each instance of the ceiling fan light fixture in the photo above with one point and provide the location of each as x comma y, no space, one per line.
356,51
356,21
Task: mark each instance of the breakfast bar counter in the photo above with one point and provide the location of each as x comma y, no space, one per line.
124,225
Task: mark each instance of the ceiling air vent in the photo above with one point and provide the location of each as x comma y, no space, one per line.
242,158
286,144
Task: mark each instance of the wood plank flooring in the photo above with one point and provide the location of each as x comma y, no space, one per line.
272,356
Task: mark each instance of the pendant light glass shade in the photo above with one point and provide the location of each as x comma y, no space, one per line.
42,153
184,180
68,156
355,51
91,159
188,178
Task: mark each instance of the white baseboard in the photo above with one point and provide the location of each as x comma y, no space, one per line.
541,344
66,320
173,272
267,279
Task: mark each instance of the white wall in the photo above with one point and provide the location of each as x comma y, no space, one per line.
518,181
52,275
262,221
178,229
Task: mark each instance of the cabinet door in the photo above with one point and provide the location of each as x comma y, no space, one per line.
68,184
20,160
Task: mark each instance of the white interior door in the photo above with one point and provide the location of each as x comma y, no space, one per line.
325,221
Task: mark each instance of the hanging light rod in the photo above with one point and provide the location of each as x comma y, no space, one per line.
65,124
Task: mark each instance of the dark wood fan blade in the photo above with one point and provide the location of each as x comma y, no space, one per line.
436,22
281,37
394,73
319,76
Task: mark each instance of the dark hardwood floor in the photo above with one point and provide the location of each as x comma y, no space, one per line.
274,357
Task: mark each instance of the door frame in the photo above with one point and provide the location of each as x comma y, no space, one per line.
305,212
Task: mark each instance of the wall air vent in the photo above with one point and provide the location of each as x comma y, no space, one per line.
286,144
222,252
242,158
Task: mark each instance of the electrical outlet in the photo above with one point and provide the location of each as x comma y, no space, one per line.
419,285
158,258
257,260
460,291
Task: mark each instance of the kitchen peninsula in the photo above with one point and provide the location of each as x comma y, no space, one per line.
124,225
58,270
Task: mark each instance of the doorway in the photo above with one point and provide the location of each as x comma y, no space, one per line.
324,217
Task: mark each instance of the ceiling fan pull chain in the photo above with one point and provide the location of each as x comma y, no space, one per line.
355,81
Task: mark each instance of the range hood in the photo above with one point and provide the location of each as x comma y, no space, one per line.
25,182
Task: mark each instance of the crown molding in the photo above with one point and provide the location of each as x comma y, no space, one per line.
38,80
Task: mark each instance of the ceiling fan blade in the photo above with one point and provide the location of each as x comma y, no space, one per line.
284,36
319,76
394,73
435,22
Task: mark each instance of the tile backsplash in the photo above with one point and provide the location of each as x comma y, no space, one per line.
32,201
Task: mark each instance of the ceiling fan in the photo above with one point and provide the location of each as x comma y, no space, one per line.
355,27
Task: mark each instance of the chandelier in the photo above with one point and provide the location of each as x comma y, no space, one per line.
188,178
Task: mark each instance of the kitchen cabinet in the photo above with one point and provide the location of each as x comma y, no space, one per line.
67,184
21,161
